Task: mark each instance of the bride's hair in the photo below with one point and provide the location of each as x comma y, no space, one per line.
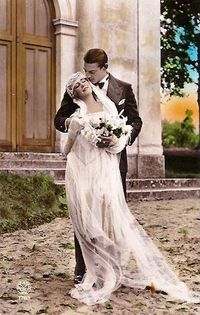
94,95
72,80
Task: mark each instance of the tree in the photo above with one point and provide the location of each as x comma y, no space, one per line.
180,36
180,134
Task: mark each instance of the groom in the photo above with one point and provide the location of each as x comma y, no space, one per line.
95,67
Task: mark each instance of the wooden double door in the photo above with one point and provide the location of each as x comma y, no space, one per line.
26,76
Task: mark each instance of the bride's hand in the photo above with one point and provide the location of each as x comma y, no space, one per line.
106,142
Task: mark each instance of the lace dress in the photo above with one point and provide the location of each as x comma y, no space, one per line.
116,249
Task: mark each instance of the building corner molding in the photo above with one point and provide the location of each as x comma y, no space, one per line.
65,27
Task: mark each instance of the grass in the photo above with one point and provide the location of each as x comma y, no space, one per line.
27,202
175,174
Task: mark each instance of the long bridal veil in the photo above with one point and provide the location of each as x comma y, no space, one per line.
115,247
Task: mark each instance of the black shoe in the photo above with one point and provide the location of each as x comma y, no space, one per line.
78,279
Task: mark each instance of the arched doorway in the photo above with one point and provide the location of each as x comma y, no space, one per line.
26,76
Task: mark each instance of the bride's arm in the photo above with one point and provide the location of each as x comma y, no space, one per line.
74,129
71,137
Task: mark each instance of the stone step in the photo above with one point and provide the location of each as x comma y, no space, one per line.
30,156
158,183
164,194
18,163
31,163
53,164
156,193
142,191
57,173
162,183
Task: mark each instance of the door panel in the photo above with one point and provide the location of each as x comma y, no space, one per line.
4,7
26,75
29,101
7,76
5,79
36,12
36,110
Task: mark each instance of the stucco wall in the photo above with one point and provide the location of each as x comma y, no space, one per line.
129,31
111,25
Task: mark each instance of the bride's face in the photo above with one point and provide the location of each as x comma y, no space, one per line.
82,88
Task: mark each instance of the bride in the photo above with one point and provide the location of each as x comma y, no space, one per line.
116,249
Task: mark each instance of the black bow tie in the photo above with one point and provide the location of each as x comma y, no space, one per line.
100,85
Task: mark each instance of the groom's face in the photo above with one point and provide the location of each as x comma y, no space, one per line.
93,72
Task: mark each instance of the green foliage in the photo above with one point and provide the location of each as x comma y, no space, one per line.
180,33
29,202
67,245
170,172
180,134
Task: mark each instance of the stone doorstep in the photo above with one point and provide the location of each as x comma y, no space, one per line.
34,164
58,168
56,173
162,183
138,189
166,194
159,194
30,156
165,189
158,184
53,164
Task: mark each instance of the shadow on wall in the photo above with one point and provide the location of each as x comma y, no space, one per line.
182,162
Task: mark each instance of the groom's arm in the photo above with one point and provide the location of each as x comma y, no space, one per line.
131,112
66,109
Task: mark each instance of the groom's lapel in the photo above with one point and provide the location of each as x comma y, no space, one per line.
114,90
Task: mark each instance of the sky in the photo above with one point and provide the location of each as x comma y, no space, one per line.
173,109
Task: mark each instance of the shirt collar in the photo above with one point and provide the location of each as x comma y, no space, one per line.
104,79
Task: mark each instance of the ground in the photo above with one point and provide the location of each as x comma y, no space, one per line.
37,265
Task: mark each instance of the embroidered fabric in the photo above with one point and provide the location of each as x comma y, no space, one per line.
116,249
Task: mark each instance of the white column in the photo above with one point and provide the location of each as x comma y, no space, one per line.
150,151
66,42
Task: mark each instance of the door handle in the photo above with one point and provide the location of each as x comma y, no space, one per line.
26,96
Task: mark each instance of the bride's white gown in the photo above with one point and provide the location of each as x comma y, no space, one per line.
116,249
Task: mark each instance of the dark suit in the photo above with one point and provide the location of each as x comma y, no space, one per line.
117,92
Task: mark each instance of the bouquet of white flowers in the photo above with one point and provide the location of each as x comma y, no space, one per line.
105,125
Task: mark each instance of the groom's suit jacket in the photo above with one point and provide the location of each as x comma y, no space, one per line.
122,95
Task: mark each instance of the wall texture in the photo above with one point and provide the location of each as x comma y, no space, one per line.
129,31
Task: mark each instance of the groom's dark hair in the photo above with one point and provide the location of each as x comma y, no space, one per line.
96,55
